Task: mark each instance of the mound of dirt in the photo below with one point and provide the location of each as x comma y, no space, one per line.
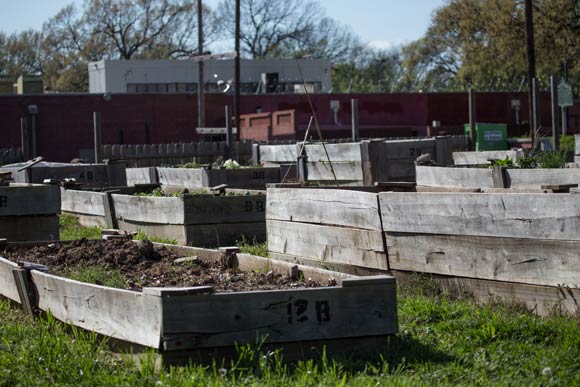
143,264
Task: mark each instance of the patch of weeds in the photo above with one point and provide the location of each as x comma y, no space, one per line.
253,247
190,165
507,162
70,229
97,275
555,159
159,193
567,143
142,236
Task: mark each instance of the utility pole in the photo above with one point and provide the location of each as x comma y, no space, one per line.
200,65
555,128
237,70
531,56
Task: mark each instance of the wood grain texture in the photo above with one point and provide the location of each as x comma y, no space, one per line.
208,235
535,178
29,228
29,199
279,154
330,266
82,202
166,210
328,244
146,175
190,178
122,314
543,300
8,286
543,216
454,177
483,157
249,262
352,209
530,261
336,152
208,209
344,170
281,316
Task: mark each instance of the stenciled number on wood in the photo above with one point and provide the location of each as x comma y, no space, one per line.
415,152
3,201
260,207
297,311
261,175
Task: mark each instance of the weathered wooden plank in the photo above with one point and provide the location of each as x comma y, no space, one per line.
324,206
328,244
168,210
330,266
82,202
543,300
182,177
25,293
29,228
484,157
344,171
250,177
8,286
247,262
544,216
444,150
454,177
122,314
336,152
93,175
421,188
147,175
408,149
282,316
530,261
535,178
29,199
279,154
208,209
208,235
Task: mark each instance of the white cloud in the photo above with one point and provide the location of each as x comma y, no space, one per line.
381,44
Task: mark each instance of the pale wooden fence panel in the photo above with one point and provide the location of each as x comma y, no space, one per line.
151,155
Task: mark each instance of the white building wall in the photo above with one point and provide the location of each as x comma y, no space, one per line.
113,76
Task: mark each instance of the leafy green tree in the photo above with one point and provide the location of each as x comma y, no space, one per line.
482,43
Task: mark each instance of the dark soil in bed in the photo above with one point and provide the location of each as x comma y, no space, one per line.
143,264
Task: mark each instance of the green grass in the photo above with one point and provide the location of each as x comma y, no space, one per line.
567,143
253,247
70,229
443,342
142,236
95,275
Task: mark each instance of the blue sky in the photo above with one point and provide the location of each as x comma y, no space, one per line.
382,23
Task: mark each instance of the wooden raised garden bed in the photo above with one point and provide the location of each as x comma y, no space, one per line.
248,178
520,247
29,212
329,228
516,178
88,175
352,315
190,219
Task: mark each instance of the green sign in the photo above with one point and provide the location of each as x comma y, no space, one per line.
565,97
